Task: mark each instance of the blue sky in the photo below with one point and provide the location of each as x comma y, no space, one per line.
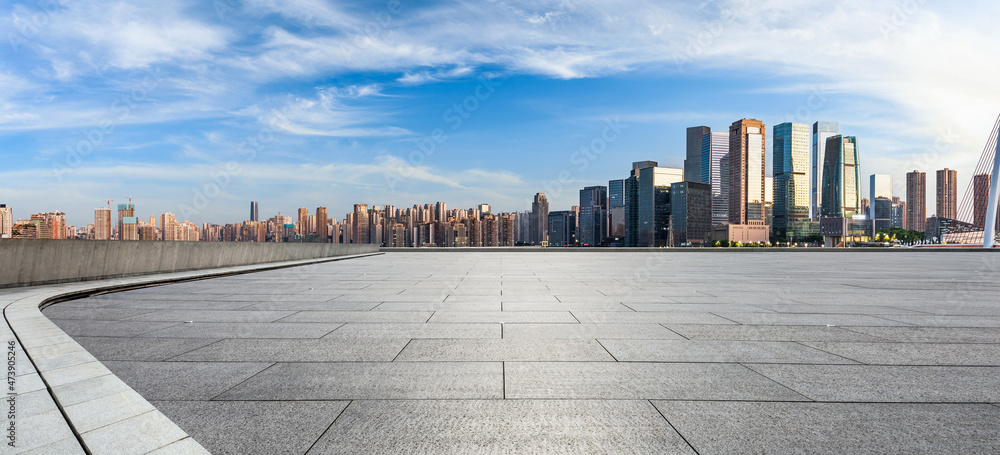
197,108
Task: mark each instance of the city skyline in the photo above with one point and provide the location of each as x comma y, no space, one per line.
271,104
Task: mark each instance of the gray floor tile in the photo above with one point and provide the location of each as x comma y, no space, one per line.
375,380
916,353
359,316
246,330
212,316
589,331
930,334
183,380
717,352
144,348
486,350
649,317
501,426
298,350
398,330
503,316
769,333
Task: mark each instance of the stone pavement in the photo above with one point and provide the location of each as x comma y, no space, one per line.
570,352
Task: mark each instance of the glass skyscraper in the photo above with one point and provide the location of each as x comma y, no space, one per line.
593,215
841,178
821,131
715,146
791,180
616,208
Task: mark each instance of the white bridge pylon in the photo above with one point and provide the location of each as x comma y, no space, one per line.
991,204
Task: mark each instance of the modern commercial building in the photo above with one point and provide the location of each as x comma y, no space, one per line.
821,131
539,219
616,208
693,160
562,228
715,147
746,171
880,213
360,228
916,201
947,194
898,213
647,204
6,222
593,215
254,213
879,185
841,178
102,223
791,180
690,213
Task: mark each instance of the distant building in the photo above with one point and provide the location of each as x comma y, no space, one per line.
880,185
693,160
562,228
690,213
616,208
821,131
539,219
898,213
746,171
715,147
507,225
360,225
593,219
916,201
254,214
980,198
102,223
322,222
6,222
791,180
648,194
127,222
881,213
841,178
947,194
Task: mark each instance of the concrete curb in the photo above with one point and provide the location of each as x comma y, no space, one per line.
66,401
538,249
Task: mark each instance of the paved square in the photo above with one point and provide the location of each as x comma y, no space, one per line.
569,352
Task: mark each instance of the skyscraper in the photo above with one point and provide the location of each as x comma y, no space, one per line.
980,198
616,208
916,201
360,232
841,178
303,221
254,214
6,222
690,213
593,215
746,171
947,194
880,185
539,219
693,161
322,220
441,212
791,180
102,223
562,228
821,131
714,147
650,188
128,224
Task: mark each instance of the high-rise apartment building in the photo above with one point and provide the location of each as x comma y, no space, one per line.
693,160
361,227
593,215
322,222
947,194
916,201
841,178
821,131
6,222
746,171
303,225
128,224
714,147
539,219
102,223
254,214
169,227
441,212
980,200
791,180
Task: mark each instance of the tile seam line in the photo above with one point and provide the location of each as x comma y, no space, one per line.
665,419
41,299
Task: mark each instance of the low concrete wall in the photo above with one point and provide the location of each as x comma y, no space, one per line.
33,262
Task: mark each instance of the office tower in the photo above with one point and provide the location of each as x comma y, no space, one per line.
746,171
768,201
593,215
127,222
254,214
947,194
791,180
693,161
102,223
562,228
616,208
821,131
631,191
879,185
322,220
652,202
714,147
841,178
303,224
484,209
360,224
539,219
916,201
690,213
6,222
